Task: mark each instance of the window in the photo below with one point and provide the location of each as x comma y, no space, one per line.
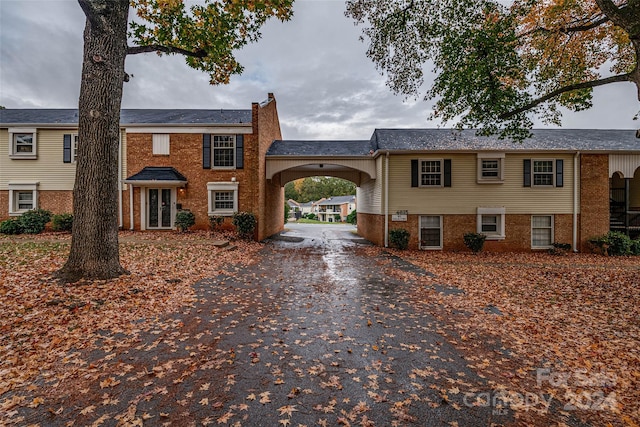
543,172
224,151
160,144
431,173
22,197
223,198
22,143
542,231
490,168
491,223
431,232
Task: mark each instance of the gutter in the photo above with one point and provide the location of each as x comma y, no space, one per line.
576,186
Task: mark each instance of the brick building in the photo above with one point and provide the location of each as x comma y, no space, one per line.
211,162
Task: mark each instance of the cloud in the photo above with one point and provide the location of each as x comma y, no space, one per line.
315,64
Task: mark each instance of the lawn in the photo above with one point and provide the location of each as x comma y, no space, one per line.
571,323
42,320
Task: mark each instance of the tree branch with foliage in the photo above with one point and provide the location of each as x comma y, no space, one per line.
496,66
207,34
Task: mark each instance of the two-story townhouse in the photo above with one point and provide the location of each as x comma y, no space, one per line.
336,208
553,187
208,161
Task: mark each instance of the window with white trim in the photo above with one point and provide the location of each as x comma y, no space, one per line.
22,197
491,223
22,143
223,198
224,151
542,231
161,144
74,148
490,167
431,172
543,172
431,232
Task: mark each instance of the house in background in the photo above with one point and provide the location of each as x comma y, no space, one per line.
294,210
211,162
336,209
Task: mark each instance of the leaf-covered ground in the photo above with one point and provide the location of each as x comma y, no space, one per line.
577,316
317,333
43,321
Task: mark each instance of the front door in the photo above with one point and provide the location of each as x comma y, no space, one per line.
159,205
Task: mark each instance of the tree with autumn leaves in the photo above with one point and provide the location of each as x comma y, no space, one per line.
206,34
497,63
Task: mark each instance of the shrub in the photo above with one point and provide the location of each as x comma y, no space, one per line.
10,226
34,221
352,218
560,248
311,216
287,211
613,243
62,222
185,219
399,237
215,222
635,247
474,241
245,223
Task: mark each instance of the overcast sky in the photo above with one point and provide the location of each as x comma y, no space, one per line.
315,65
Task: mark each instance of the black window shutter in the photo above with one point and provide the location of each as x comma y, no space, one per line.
447,172
206,151
66,148
527,173
414,173
559,173
239,151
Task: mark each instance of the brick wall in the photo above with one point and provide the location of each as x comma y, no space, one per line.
4,205
57,202
594,196
371,227
270,197
517,231
186,157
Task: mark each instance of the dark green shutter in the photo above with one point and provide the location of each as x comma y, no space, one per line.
447,172
66,148
527,173
239,151
414,173
559,173
206,151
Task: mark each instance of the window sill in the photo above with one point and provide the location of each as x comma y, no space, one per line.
23,156
223,168
490,181
17,213
430,248
494,237
221,213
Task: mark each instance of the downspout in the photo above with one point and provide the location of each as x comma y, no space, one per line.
576,186
131,207
386,201
120,213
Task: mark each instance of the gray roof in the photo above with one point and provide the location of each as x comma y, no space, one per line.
542,139
338,200
349,148
158,173
69,116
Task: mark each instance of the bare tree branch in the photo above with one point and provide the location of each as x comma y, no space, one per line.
585,85
134,50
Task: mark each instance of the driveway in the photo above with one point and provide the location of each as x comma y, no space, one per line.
316,333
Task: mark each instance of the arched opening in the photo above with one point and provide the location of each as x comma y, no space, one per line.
324,199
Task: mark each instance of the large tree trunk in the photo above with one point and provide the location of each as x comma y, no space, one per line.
94,244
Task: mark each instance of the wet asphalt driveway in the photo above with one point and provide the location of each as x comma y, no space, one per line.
313,334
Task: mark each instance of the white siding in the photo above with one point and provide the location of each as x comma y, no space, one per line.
369,194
